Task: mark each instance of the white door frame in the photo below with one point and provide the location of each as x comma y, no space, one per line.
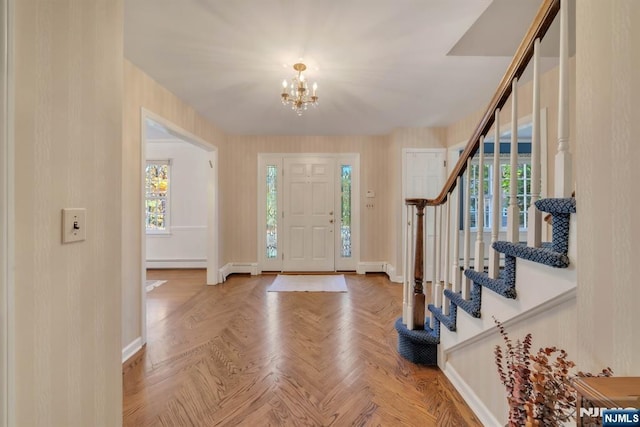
212,205
276,159
7,379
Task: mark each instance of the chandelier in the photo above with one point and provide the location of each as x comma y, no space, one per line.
296,92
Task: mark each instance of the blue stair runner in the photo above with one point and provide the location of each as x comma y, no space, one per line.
449,321
504,285
555,253
420,346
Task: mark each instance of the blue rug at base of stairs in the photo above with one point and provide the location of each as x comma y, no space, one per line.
418,346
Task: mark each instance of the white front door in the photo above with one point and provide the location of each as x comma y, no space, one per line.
308,214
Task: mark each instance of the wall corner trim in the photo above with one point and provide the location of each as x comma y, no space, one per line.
237,267
132,348
391,272
379,267
470,397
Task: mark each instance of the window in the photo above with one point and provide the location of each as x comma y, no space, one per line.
157,174
345,211
272,212
523,192
523,187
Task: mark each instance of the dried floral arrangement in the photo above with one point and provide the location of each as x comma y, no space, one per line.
539,391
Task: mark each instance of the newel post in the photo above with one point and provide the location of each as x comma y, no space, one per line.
418,275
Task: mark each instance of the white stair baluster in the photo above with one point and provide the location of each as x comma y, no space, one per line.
410,266
534,217
513,212
466,283
494,256
434,277
447,265
437,254
563,164
455,268
479,254
425,290
405,259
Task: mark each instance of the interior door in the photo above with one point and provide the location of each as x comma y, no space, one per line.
308,214
424,176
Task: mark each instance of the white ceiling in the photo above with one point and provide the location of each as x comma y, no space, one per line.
379,64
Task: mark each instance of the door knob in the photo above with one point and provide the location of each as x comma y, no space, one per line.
330,221
331,213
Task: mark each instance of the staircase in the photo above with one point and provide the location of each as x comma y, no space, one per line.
460,211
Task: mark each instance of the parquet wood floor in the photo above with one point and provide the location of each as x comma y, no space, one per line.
235,355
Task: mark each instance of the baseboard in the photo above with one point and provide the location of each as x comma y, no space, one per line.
176,263
237,267
131,349
391,272
371,267
471,398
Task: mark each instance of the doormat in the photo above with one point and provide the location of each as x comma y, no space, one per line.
302,283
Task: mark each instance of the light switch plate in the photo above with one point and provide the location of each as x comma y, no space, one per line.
74,225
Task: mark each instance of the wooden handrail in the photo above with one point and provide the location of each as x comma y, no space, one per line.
543,20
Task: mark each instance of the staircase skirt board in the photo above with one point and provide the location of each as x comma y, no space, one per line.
418,346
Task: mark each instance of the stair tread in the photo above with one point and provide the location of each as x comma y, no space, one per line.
542,255
557,205
504,285
471,306
448,321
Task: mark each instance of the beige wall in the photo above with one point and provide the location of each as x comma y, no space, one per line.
608,36
462,130
68,117
140,91
239,180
